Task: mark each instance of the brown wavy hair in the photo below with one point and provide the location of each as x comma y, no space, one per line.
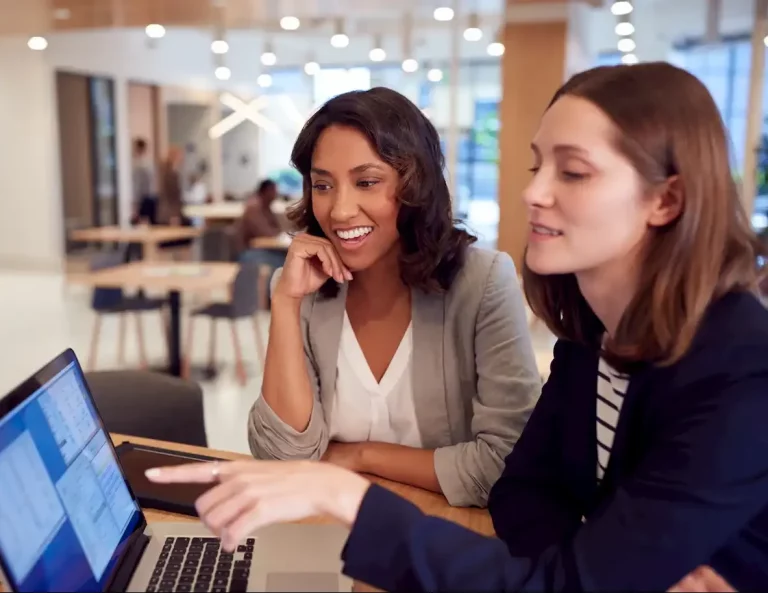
433,247
667,124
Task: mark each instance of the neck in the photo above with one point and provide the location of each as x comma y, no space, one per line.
381,282
608,291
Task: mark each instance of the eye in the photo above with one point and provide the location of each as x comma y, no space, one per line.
573,176
367,183
319,186
534,169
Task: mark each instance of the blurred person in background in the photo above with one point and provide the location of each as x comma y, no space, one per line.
144,206
644,466
171,200
258,221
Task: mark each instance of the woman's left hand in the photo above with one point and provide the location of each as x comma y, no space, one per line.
253,494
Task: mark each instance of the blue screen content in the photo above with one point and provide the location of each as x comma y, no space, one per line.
65,508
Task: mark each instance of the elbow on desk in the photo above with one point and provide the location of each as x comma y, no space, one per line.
269,437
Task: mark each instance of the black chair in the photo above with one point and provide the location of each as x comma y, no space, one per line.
150,405
216,245
112,301
244,303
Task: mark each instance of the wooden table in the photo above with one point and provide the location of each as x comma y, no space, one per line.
215,212
279,243
149,237
433,504
174,279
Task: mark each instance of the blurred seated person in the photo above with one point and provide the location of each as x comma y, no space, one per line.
259,221
171,202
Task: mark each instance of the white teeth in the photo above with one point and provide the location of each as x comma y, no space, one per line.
355,233
542,230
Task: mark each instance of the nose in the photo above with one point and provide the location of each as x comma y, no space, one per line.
539,193
345,204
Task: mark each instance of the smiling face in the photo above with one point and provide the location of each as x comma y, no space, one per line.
587,204
354,197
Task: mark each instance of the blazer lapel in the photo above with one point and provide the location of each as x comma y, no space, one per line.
325,324
428,372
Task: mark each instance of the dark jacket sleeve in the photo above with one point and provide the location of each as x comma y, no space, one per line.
530,504
702,480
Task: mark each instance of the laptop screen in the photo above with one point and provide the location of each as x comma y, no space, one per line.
65,508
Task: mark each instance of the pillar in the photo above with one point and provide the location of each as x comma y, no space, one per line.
533,68
755,104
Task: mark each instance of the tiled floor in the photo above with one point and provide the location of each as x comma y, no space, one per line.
41,315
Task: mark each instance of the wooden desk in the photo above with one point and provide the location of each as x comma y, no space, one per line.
150,237
216,212
433,504
174,279
279,243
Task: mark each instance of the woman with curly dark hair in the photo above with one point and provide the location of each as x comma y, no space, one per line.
396,347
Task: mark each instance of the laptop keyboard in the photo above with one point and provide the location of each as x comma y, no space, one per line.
199,564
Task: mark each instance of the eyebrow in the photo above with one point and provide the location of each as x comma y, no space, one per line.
562,148
359,169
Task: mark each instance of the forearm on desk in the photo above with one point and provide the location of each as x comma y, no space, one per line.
399,463
286,387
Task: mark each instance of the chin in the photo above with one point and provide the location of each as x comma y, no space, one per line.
546,265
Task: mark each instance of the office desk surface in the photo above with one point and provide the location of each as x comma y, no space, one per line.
223,211
434,504
183,277
135,234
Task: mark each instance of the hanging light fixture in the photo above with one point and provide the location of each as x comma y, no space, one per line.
624,28
264,80
340,38
496,47
377,53
626,45
410,64
219,46
311,68
434,75
268,57
629,59
621,7
222,73
473,32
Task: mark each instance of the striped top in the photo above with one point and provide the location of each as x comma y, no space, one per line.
611,388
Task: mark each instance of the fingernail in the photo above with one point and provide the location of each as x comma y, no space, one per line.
152,473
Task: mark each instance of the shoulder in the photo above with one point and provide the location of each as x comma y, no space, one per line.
481,268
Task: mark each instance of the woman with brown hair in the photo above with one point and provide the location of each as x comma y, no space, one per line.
396,347
645,463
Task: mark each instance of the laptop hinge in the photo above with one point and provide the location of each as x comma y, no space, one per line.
130,560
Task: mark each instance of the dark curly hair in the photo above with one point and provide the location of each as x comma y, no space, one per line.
433,247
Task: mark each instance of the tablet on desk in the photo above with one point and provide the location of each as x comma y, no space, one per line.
173,498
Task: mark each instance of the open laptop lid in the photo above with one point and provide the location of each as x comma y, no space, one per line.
67,514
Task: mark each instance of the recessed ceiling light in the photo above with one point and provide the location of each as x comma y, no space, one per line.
443,13
155,31
290,23
37,43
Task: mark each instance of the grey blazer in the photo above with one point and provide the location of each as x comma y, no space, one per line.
475,380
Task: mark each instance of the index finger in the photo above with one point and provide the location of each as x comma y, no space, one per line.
203,473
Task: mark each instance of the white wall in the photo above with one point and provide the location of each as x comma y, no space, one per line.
31,224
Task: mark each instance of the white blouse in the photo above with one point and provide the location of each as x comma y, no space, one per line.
366,410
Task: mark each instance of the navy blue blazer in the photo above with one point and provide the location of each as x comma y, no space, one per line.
686,485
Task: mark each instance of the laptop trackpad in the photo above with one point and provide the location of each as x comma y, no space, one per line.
312,582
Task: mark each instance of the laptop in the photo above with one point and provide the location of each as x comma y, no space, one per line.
69,520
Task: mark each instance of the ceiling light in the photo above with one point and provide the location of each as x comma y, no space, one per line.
268,58
624,29
626,45
443,13
290,23
219,46
37,43
223,73
495,49
473,31
155,31
339,40
410,65
311,68
629,59
621,8
377,54
264,80
435,75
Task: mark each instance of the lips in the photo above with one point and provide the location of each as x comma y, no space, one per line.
540,229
